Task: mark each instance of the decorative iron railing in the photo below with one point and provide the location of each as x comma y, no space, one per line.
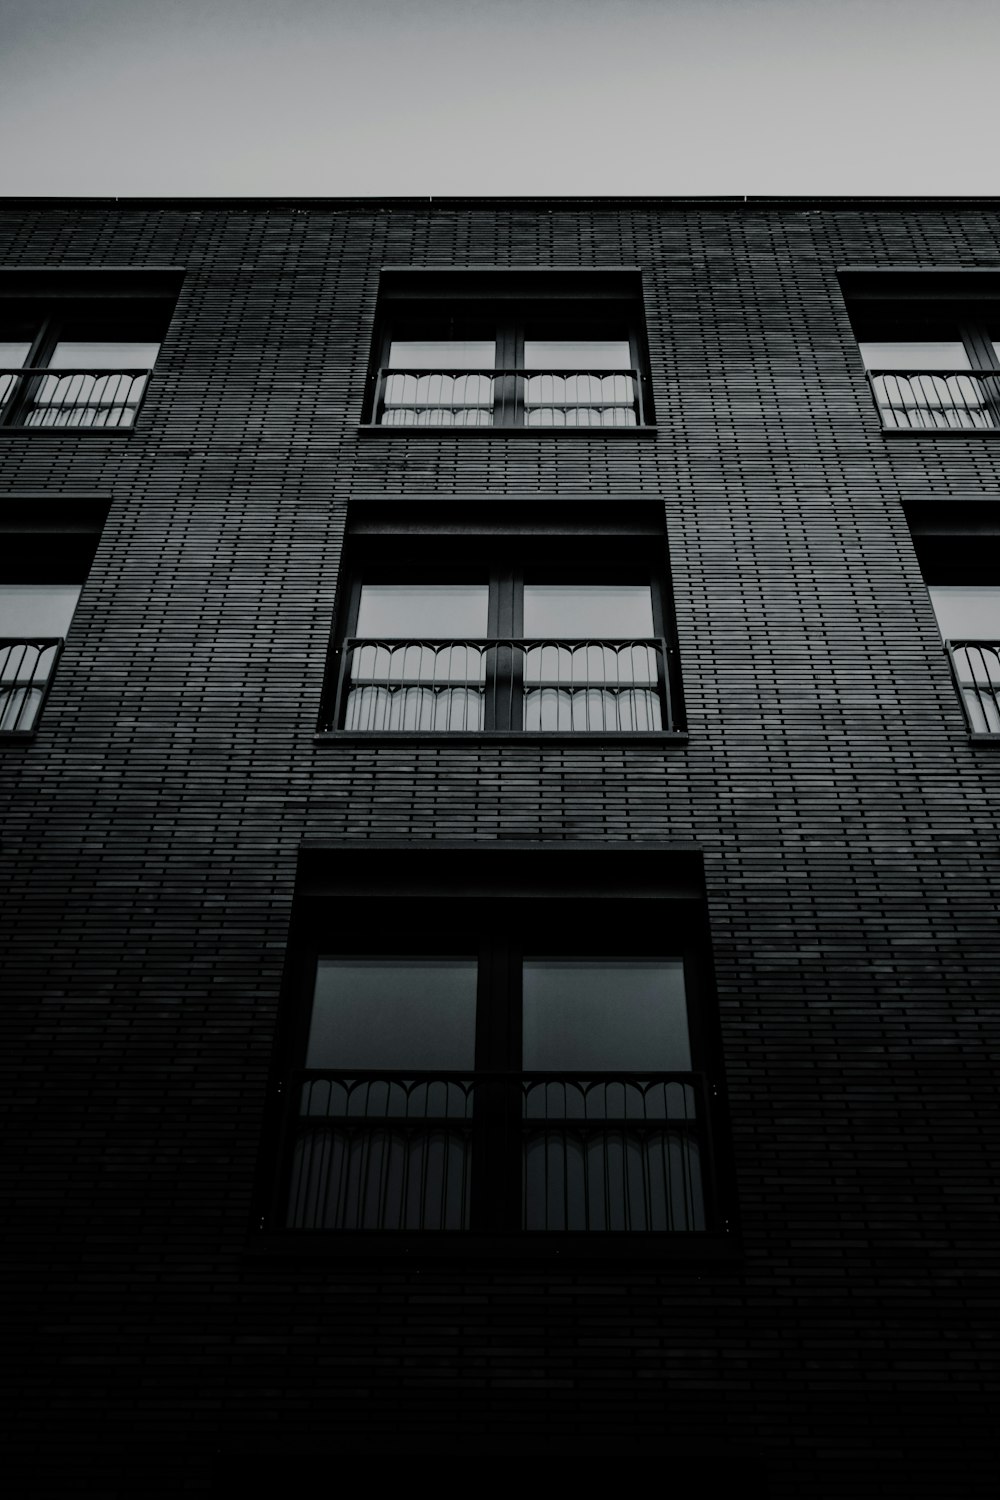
454,687
976,668
26,668
508,398
40,397
533,1151
937,401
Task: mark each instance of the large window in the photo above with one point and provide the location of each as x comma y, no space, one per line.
498,1064
45,554
77,346
490,642
969,618
930,347
510,351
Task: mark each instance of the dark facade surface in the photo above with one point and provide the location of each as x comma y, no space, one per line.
846,823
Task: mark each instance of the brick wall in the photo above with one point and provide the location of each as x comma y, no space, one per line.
150,834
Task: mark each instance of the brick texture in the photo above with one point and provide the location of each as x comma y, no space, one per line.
150,833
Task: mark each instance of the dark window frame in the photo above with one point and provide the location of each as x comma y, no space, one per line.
506,306
902,305
111,305
346,897
47,540
506,559
958,542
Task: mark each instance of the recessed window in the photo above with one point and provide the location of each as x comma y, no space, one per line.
500,644
508,350
969,619
957,543
34,620
497,1064
46,549
77,347
929,348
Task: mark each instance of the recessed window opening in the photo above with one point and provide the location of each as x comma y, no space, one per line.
517,648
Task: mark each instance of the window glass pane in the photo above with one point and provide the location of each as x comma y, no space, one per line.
442,354
410,611
91,355
916,354
967,611
37,609
394,1013
585,611
605,1014
577,354
13,353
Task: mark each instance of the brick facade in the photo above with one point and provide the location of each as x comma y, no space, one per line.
151,830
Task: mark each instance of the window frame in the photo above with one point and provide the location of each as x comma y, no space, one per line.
964,301
503,304
506,561
46,540
958,543
344,893
123,304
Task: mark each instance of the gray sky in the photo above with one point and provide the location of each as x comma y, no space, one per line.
463,96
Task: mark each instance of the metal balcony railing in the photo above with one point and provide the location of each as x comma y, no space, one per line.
976,668
534,1151
508,398
937,401
454,687
40,397
26,668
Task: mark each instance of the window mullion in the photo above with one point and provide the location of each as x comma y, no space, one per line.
492,1186
41,349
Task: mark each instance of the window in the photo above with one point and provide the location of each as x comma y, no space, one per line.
969,618
467,639
77,347
930,345
510,350
497,1063
958,546
46,553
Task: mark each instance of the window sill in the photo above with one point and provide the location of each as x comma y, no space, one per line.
976,738
978,433
374,429
67,432
693,1249
560,737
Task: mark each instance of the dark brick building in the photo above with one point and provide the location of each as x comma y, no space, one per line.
652,725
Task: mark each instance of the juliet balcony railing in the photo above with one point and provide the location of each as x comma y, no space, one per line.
456,687
26,668
937,401
41,397
976,668
508,398
532,1151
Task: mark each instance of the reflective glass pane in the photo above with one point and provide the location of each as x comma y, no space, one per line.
37,609
605,1014
91,355
577,354
13,353
442,354
968,612
588,611
916,354
394,1013
438,611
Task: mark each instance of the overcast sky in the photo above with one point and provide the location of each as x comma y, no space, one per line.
513,96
